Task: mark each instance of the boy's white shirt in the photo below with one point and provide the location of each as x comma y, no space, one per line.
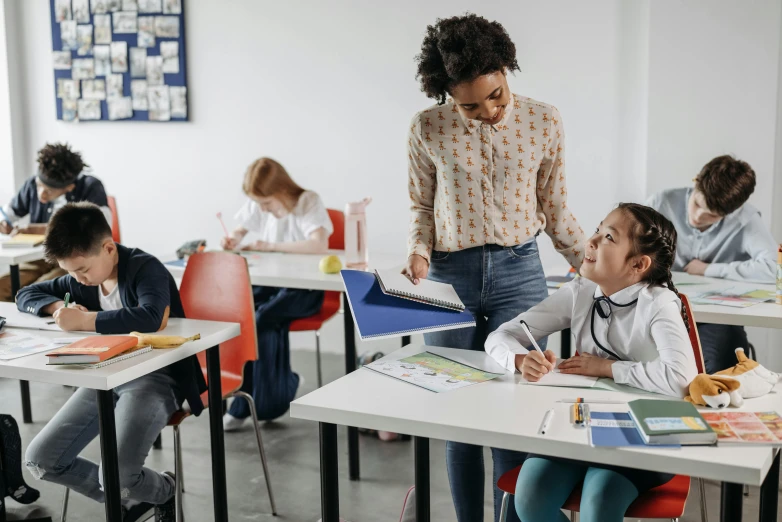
649,337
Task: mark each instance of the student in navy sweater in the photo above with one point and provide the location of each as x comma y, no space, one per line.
61,178
115,290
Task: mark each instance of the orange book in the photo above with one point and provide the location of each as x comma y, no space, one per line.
93,349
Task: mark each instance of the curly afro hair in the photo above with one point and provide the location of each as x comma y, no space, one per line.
460,49
58,162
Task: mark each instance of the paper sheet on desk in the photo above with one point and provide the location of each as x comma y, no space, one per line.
31,322
20,344
567,380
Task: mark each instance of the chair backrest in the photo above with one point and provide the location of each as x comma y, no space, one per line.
216,287
114,220
337,238
695,339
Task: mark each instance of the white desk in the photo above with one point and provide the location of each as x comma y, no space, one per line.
105,379
506,415
14,257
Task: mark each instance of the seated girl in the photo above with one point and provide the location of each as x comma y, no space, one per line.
285,218
629,325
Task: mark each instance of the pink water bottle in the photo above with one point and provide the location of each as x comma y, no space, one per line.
356,251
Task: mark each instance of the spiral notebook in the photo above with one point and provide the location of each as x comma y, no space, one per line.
378,315
392,282
116,359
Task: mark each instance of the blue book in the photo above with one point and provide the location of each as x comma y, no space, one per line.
378,315
614,430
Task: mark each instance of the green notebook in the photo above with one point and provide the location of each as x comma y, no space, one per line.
670,422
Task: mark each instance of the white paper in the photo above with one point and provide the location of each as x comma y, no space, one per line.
68,89
62,10
170,53
138,62
167,26
99,6
31,322
119,57
125,22
102,54
568,380
146,31
120,108
89,110
83,69
393,281
102,29
93,89
114,5
19,343
114,86
68,37
150,6
154,70
178,96
62,60
70,110
159,103
172,6
84,38
138,91
129,5
81,11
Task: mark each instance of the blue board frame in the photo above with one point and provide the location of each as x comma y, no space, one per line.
172,80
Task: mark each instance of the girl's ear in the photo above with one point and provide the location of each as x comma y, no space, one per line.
641,264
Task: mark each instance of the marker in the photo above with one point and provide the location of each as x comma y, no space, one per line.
546,424
578,412
529,334
572,401
67,299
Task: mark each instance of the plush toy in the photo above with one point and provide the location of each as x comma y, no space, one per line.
730,387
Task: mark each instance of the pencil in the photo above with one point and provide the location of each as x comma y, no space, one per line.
220,218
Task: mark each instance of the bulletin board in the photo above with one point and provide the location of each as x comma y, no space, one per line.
119,60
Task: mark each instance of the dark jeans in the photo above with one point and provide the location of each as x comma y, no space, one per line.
719,343
496,284
270,380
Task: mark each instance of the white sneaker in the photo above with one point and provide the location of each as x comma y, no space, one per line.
231,423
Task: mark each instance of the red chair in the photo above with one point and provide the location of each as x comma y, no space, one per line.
331,301
114,219
666,501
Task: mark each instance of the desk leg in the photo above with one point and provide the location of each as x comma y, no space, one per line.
220,493
731,502
27,414
329,478
769,493
350,366
422,479
564,349
108,452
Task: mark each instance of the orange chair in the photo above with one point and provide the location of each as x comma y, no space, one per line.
666,501
331,301
115,235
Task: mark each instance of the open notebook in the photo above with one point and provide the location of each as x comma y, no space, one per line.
392,282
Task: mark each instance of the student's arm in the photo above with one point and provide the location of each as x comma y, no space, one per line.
509,344
232,242
318,243
18,208
759,245
154,301
672,372
421,186
561,224
46,297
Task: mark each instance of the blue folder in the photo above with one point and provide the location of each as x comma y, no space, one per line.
620,431
379,316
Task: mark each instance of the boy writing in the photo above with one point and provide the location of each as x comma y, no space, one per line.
118,290
720,235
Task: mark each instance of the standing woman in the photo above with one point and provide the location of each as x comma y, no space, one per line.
486,175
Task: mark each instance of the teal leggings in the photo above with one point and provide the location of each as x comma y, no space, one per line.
544,485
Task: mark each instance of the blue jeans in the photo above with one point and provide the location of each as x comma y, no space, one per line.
496,284
141,411
544,485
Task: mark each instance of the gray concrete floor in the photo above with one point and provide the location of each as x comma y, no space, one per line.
292,448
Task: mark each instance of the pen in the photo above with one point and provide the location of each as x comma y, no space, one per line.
546,424
572,401
67,299
529,334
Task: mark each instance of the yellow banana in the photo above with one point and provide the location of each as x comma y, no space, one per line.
163,341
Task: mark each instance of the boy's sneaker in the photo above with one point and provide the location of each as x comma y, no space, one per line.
140,512
166,512
231,423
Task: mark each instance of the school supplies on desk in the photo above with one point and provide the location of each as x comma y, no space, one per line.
736,297
133,352
555,282
92,350
24,241
15,344
380,316
746,427
545,425
567,380
670,422
393,282
613,430
432,372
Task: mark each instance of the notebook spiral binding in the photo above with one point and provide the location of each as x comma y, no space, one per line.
425,300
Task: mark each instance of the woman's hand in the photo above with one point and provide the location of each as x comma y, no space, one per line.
417,268
589,365
535,365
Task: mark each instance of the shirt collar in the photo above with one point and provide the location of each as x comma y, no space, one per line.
470,124
624,295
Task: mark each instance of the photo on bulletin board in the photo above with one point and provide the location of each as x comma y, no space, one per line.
119,60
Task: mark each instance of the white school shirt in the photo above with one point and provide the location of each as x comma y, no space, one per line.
111,301
649,337
307,216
